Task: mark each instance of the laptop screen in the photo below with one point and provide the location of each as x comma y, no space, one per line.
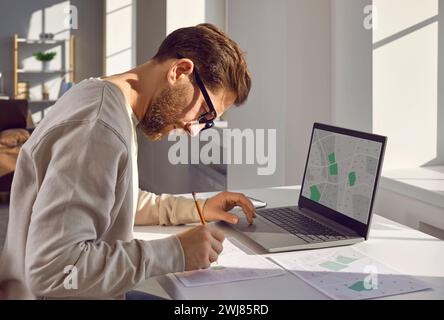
341,173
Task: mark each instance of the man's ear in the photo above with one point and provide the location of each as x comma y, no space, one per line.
179,69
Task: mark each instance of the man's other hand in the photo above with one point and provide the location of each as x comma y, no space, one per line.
217,208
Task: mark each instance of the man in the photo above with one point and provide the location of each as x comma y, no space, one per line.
75,195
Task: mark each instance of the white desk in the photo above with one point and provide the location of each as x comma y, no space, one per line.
406,250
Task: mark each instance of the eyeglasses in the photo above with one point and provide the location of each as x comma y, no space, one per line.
208,117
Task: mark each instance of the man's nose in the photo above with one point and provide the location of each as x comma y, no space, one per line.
194,128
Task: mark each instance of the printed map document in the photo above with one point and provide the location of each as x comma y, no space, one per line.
346,273
233,264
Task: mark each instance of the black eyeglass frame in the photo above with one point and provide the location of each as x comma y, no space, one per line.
208,117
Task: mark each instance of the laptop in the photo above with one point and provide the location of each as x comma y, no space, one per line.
336,198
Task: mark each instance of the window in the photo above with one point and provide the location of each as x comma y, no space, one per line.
120,48
406,81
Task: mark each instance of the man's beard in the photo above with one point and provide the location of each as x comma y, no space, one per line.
164,113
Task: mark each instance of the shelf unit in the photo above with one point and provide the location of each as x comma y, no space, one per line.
41,101
67,71
43,71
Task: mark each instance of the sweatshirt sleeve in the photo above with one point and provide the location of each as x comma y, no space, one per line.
166,209
79,168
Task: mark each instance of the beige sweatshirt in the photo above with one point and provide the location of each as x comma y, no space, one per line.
72,205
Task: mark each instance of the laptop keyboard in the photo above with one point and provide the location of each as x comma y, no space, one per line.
300,225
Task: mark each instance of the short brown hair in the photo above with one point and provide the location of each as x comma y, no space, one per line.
220,61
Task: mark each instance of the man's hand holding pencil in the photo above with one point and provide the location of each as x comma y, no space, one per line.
202,245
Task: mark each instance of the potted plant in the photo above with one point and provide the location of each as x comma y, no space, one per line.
45,58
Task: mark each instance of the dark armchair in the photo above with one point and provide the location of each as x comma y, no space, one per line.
13,133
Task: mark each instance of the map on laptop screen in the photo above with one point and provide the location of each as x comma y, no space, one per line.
341,173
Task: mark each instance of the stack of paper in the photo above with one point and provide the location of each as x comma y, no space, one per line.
346,273
233,265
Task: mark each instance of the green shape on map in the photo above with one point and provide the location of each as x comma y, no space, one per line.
315,195
344,260
352,178
359,286
332,158
333,266
333,169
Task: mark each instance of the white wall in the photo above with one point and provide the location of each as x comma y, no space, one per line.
120,39
260,28
308,79
440,132
405,86
188,13
215,13
311,61
151,28
184,13
25,17
297,52
89,39
351,65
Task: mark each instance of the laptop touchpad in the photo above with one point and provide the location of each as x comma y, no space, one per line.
265,233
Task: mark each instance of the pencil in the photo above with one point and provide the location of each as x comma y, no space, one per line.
199,210
202,219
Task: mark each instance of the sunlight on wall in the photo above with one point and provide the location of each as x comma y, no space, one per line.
405,81
49,19
55,20
35,25
120,36
184,13
397,15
